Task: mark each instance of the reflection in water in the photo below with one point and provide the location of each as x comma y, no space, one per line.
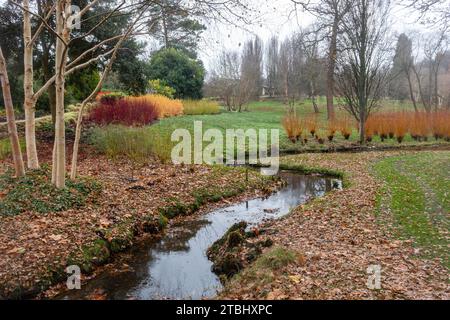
176,267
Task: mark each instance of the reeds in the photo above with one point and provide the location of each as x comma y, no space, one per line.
293,127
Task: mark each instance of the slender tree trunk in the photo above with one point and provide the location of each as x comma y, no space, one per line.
422,97
362,78
29,101
12,128
430,84
411,91
59,164
313,97
47,75
331,68
166,31
436,86
76,145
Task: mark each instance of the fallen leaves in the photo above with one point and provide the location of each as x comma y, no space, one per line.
341,236
56,237
33,245
295,279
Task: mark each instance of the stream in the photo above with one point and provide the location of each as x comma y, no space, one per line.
176,267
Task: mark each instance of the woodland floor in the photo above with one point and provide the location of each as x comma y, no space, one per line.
35,248
333,240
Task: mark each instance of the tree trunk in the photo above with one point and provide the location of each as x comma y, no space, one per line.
422,97
331,68
29,101
47,75
313,97
59,164
12,128
411,91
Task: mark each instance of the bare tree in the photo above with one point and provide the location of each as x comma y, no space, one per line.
403,67
313,67
435,13
330,14
285,68
64,19
12,128
272,63
434,50
362,69
251,69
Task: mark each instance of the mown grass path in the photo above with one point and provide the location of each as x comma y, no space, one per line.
338,237
418,196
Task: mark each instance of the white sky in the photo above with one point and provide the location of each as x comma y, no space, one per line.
275,19
279,20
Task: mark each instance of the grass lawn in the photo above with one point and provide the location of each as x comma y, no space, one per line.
417,192
268,115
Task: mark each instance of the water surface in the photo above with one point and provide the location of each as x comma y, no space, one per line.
176,267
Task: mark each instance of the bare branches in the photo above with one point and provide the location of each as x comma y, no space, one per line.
362,67
435,13
42,19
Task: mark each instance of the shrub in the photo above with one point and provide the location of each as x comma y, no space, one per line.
331,129
440,125
401,126
320,137
159,87
127,111
344,125
370,128
110,97
165,107
178,71
137,144
199,107
420,126
292,126
311,124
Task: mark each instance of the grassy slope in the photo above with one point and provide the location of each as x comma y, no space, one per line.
418,195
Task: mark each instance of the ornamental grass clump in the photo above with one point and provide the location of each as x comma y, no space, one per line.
165,106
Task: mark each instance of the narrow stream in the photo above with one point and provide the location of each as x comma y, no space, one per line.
176,267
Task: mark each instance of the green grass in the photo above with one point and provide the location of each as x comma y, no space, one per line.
34,192
199,107
261,272
417,192
268,115
137,144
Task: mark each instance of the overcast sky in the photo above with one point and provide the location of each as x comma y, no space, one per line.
279,20
276,17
